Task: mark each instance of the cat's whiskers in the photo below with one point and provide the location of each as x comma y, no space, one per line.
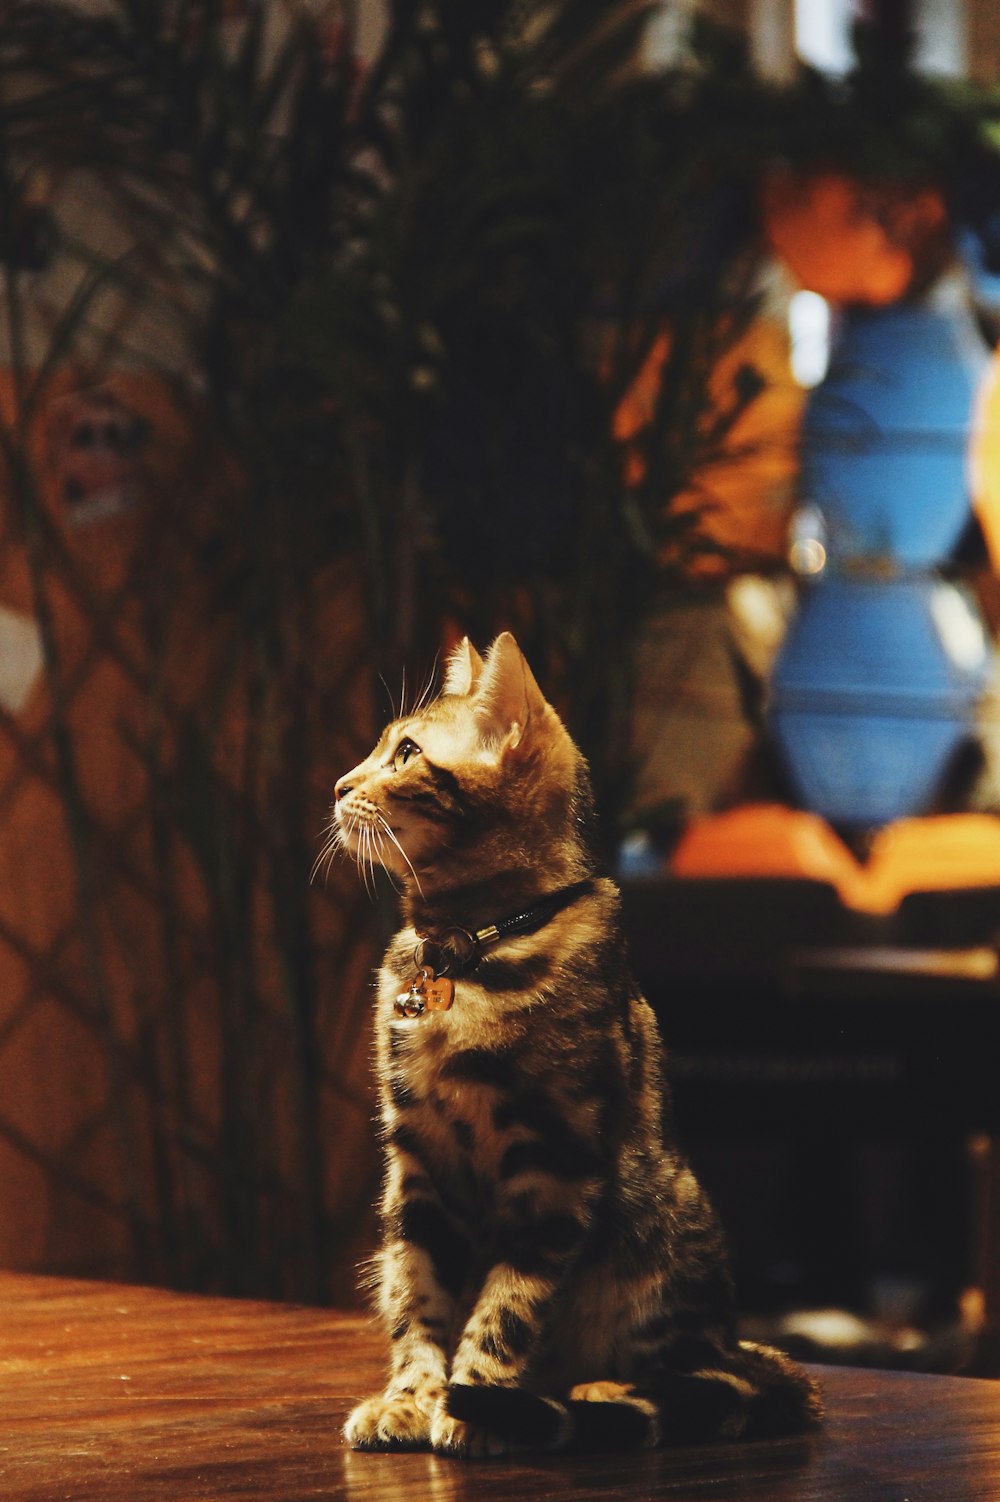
424,696
376,846
407,711
366,850
333,842
390,697
368,855
373,844
359,856
386,828
364,861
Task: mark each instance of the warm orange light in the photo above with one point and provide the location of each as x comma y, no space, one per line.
984,459
943,853
744,490
768,839
855,242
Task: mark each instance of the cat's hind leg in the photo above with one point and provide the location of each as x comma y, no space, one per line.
749,1392
600,1392
512,1419
483,1420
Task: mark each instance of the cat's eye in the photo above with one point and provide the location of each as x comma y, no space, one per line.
404,752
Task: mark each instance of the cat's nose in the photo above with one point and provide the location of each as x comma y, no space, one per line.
341,788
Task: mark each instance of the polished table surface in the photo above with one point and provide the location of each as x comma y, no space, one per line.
130,1395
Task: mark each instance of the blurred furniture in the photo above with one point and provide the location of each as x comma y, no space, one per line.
115,1392
785,1012
876,685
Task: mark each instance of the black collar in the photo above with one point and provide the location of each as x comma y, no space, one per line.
454,951
445,953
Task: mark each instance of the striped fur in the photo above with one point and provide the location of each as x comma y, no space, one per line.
551,1273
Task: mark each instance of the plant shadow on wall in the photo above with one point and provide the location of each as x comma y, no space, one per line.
311,365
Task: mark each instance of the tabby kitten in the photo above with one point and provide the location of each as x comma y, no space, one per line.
551,1273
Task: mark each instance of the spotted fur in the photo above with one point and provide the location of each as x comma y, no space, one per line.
551,1273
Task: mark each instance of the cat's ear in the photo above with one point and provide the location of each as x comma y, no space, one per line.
509,703
464,669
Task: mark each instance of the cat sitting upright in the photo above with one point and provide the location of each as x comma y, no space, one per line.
551,1273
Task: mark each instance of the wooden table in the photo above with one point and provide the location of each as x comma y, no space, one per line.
133,1395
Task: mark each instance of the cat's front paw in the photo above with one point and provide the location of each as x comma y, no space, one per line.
454,1437
395,1421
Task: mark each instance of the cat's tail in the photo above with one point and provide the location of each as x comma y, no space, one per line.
755,1393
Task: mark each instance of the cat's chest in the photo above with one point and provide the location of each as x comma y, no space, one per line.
447,1076
422,1020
